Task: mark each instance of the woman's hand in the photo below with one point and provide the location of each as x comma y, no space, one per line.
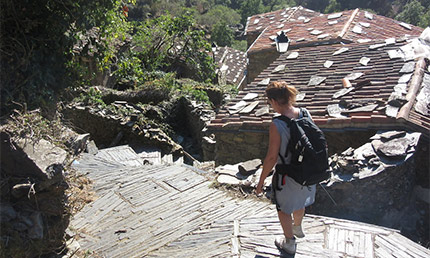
259,189
271,157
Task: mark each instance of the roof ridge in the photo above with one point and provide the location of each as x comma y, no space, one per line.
259,36
348,23
414,87
294,12
224,55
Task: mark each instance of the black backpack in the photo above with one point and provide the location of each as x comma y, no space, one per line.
308,147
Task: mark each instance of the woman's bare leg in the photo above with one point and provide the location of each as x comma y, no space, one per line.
286,223
298,216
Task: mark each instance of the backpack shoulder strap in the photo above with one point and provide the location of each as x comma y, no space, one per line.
283,118
287,120
303,112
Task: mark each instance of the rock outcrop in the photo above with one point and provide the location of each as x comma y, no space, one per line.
33,196
109,128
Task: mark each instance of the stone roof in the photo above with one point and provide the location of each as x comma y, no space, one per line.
231,65
388,84
171,210
306,27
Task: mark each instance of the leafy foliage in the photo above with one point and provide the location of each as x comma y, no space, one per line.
333,6
222,34
167,44
91,97
414,13
249,8
218,14
43,41
241,45
37,42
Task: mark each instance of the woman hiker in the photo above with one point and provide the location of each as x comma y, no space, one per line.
292,198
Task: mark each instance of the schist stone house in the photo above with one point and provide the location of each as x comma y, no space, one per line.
305,27
231,66
356,72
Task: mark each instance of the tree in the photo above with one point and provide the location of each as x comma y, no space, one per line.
249,8
37,39
316,5
332,7
167,43
425,19
222,34
219,14
412,13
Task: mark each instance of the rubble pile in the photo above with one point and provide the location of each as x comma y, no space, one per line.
382,168
110,128
374,183
173,126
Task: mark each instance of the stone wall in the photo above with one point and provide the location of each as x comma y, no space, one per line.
338,141
251,37
234,147
195,117
260,60
110,129
251,145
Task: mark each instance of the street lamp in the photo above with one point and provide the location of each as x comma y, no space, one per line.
282,42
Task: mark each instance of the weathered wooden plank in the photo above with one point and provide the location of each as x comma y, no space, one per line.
235,246
411,247
258,220
253,241
382,252
169,171
314,238
105,202
309,229
391,247
196,240
340,240
356,244
368,246
157,204
349,243
192,202
167,236
331,238
156,213
357,226
184,183
316,252
267,250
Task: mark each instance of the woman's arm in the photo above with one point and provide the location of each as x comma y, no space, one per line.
271,156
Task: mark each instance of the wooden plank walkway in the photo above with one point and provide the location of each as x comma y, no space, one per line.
172,211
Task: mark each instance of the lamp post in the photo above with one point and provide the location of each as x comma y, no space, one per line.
282,42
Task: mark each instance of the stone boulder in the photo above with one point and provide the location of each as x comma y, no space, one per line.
32,194
249,167
26,158
242,174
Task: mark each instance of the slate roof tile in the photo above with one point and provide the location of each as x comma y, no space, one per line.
375,86
301,33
